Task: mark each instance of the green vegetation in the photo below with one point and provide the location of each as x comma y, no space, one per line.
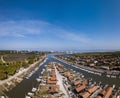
12,61
117,53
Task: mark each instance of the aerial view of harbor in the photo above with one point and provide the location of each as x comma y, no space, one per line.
59,48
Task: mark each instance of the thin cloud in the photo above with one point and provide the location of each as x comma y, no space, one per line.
21,28
25,28
19,35
76,37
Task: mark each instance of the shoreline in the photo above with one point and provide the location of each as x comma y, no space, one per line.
12,81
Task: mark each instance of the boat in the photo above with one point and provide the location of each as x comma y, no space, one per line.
27,96
30,94
114,86
2,96
34,89
38,79
42,72
45,65
29,75
118,96
107,75
113,76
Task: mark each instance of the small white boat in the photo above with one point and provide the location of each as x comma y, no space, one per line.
118,96
113,76
107,75
45,65
34,89
114,86
38,79
2,96
30,94
29,75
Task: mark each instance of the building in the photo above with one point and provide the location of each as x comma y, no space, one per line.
92,89
77,82
105,93
54,89
52,80
80,88
108,92
101,94
89,92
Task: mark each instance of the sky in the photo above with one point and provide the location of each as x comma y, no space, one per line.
60,24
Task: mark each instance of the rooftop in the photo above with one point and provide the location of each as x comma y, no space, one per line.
80,88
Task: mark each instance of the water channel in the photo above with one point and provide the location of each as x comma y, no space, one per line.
27,84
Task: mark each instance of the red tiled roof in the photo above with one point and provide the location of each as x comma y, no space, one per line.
54,89
108,92
70,77
53,81
80,88
102,93
84,82
76,83
92,89
53,78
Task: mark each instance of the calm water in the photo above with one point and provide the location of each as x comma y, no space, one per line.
27,84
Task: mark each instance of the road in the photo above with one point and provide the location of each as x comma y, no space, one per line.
60,83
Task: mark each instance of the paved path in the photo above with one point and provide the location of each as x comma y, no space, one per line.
60,83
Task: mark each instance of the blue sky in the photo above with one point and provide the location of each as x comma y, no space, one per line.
60,24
